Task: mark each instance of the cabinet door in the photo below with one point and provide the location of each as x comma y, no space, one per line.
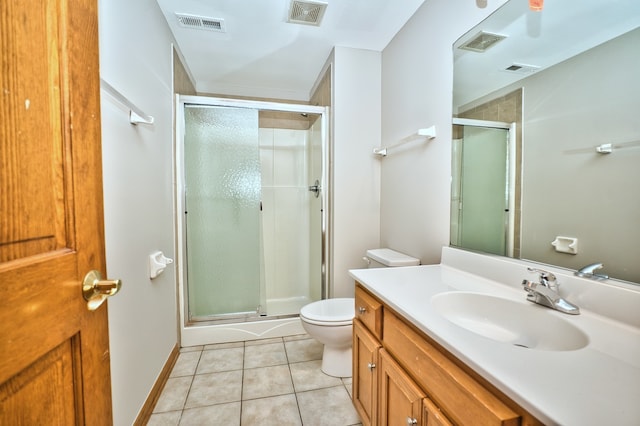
432,416
365,376
460,396
400,402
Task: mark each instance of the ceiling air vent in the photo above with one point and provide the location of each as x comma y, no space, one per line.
201,22
306,12
522,68
482,41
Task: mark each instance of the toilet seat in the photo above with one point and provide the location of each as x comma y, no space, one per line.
329,312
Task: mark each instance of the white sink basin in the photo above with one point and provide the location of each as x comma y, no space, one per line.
521,324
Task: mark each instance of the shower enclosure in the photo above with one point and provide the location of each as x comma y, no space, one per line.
251,197
483,183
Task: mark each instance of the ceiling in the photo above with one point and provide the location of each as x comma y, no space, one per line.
260,54
536,41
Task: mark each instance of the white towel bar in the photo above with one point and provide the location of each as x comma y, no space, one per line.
136,116
429,132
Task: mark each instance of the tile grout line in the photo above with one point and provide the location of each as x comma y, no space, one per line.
293,385
193,376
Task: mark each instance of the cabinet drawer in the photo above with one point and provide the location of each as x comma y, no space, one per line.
369,311
463,399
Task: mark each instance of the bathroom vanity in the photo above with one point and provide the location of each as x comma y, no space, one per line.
458,343
406,375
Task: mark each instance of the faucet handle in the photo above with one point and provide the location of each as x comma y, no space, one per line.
529,286
546,278
589,272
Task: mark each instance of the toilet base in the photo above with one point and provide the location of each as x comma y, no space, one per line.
336,362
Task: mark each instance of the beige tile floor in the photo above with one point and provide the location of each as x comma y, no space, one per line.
264,382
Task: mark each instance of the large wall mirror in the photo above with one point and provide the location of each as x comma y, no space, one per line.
546,149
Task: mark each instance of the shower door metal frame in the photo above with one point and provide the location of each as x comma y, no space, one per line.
178,176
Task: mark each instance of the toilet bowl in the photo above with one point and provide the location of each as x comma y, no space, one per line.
330,322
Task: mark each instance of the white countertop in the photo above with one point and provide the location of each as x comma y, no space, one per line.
596,385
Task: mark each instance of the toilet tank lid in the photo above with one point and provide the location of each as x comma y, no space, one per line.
390,257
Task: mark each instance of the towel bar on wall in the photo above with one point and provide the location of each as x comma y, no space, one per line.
429,133
136,116
607,148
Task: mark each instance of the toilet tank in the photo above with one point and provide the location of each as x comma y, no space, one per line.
384,257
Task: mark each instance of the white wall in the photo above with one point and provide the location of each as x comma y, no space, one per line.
356,176
135,58
417,84
286,203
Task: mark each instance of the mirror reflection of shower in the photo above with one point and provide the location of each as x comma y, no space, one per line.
250,229
483,172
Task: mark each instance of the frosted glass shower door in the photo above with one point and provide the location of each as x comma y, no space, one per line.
222,210
484,191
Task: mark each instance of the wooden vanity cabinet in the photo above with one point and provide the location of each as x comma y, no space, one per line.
365,373
432,416
400,399
401,377
461,397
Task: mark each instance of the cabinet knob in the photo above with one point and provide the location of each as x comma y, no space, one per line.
362,310
411,421
371,366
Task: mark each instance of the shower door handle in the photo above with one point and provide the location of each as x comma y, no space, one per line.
315,188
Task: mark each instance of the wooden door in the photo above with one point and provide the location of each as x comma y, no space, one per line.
365,373
400,401
54,352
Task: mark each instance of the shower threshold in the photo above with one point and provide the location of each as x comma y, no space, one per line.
235,318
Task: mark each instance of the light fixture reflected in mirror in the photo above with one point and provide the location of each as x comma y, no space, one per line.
536,5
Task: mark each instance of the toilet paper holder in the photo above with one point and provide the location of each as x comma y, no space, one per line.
157,263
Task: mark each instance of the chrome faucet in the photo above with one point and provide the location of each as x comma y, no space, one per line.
589,272
545,292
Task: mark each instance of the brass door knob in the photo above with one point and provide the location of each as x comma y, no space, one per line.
95,290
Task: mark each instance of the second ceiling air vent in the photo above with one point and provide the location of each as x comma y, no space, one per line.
201,22
522,68
306,12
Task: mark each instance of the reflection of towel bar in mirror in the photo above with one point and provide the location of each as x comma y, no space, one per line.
607,148
136,116
429,133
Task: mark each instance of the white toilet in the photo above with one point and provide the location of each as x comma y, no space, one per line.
330,321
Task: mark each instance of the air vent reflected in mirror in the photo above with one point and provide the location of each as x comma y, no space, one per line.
522,68
482,41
